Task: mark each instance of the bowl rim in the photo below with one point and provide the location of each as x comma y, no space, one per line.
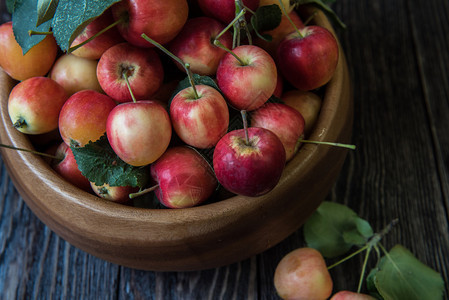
119,224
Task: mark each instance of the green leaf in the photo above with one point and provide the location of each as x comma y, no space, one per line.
98,162
267,17
325,7
24,19
334,228
72,16
45,10
400,275
10,5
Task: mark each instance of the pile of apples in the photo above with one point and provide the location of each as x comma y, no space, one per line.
120,84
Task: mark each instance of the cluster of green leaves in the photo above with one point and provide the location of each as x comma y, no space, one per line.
64,18
334,229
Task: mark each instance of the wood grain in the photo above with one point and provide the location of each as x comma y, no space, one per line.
398,60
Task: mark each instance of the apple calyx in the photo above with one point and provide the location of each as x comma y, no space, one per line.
177,59
122,19
20,123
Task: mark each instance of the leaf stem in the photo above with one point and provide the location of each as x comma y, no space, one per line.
348,257
143,192
365,263
175,58
352,147
31,151
33,32
71,49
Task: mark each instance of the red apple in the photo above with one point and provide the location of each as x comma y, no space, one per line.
199,122
249,169
279,33
139,132
75,74
119,194
96,47
194,45
249,85
83,117
34,105
224,10
36,62
302,274
348,295
307,103
160,20
279,86
284,121
142,66
308,62
67,167
184,178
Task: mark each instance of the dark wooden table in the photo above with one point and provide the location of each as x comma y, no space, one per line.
398,55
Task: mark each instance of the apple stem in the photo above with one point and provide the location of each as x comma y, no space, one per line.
310,18
143,192
241,13
33,32
31,151
71,49
352,147
349,256
245,125
219,44
177,59
289,19
125,76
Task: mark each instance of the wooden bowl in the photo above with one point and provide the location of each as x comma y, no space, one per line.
196,238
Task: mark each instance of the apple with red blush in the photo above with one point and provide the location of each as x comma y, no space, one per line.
284,121
224,10
184,178
247,77
123,62
34,105
160,20
83,117
249,161
67,168
348,295
139,132
307,103
308,57
194,45
118,194
199,118
75,74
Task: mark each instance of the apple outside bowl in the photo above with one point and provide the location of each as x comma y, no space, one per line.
202,237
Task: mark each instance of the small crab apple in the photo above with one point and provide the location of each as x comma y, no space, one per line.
160,20
139,132
36,62
67,168
308,57
193,45
34,105
184,178
248,80
119,194
143,69
307,103
75,74
249,163
284,121
83,117
348,295
98,45
224,10
303,275
199,122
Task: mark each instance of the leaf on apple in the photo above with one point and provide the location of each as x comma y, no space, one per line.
24,19
72,16
267,17
10,5
45,10
334,228
98,162
400,275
